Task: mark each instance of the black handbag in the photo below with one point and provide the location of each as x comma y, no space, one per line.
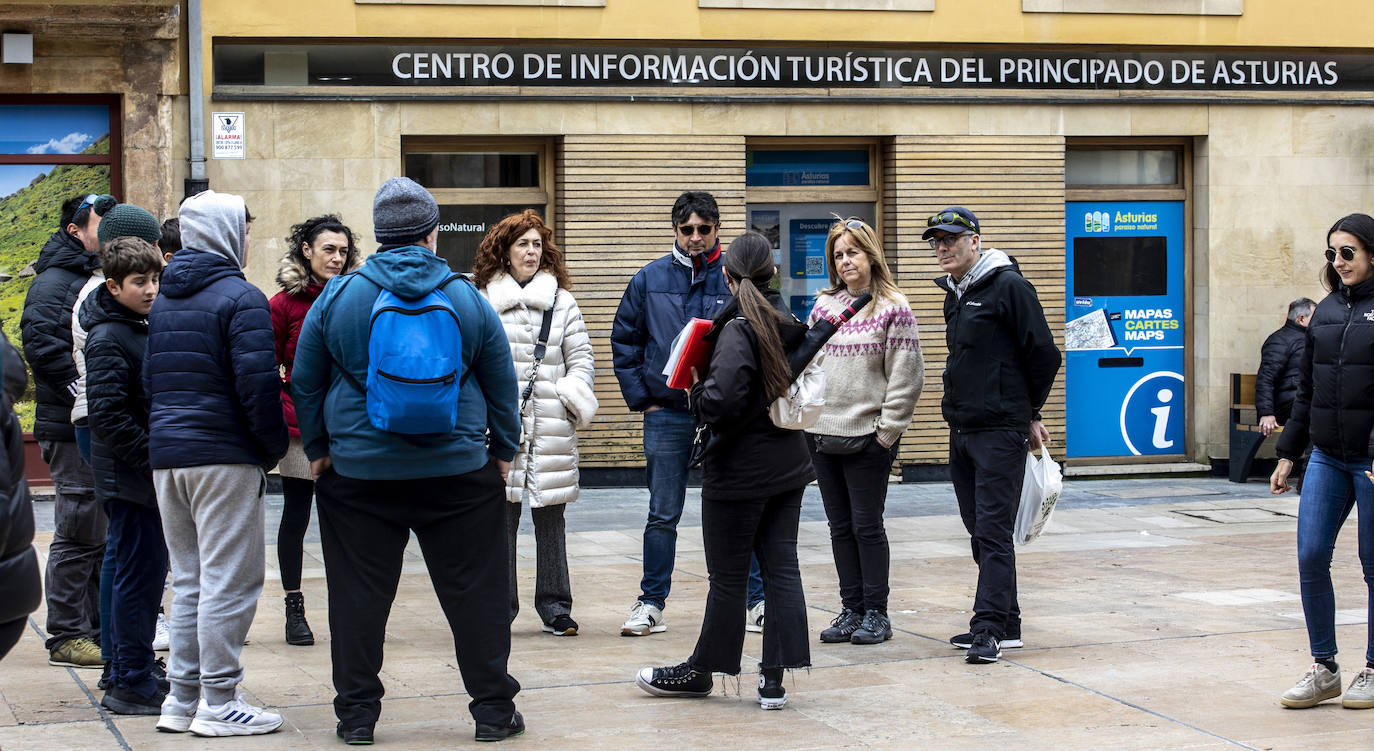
841,445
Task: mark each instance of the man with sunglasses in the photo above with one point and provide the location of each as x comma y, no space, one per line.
1002,363
686,283
64,264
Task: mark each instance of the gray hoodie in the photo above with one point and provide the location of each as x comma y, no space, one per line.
990,259
217,222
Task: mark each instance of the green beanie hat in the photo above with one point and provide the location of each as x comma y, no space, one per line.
128,220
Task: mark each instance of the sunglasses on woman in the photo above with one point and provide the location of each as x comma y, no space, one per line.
1347,254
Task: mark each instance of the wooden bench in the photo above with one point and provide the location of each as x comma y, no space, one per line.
1245,431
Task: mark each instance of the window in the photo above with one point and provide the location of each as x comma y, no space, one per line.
1123,166
476,184
1166,7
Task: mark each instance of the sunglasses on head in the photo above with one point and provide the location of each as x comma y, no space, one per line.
853,223
87,202
950,217
700,229
1347,254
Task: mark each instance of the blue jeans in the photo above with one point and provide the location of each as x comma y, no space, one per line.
1331,488
668,437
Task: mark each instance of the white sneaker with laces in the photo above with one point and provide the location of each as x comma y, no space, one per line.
645,619
176,717
1318,685
1360,695
160,643
753,622
236,717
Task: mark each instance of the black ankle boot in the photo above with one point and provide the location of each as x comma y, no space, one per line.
297,630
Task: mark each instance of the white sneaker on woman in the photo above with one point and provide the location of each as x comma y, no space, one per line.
1318,685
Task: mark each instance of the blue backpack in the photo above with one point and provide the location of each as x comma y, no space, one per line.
414,363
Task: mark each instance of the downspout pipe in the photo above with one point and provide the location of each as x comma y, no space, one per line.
197,182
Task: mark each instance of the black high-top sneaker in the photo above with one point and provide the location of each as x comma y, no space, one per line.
771,693
678,680
297,630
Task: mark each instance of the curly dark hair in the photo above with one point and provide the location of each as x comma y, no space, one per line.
306,232
493,257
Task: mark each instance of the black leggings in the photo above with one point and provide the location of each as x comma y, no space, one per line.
295,520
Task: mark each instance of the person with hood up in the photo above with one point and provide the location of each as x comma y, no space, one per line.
374,486
73,574
214,430
317,250
1002,363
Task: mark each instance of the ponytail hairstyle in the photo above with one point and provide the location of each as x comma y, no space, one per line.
1359,225
862,237
749,263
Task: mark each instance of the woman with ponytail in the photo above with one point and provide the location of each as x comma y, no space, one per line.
751,486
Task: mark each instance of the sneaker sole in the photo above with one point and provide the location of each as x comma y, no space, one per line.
981,660
1306,703
121,707
301,643
1006,644
498,737
867,640
627,631
777,703
1357,703
751,628
835,639
218,729
653,690
569,632
173,724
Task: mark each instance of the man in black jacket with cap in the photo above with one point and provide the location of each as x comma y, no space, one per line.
1002,363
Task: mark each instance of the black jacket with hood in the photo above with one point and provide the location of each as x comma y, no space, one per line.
753,458
62,268
21,587
1335,402
1002,358
1276,383
116,341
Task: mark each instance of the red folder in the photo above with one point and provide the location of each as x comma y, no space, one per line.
690,350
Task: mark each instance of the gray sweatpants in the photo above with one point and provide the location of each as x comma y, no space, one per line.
212,517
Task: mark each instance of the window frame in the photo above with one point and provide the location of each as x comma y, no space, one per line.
1177,191
542,195
871,193
113,159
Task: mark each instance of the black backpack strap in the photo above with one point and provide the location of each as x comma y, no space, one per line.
541,347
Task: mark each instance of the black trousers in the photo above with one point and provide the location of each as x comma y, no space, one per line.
460,523
732,531
140,571
297,495
987,469
854,493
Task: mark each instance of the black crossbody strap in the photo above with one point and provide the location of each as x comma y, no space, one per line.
541,347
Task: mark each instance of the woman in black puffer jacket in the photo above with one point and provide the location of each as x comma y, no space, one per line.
751,486
1335,409
20,585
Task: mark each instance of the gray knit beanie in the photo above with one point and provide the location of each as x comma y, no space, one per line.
403,211
128,220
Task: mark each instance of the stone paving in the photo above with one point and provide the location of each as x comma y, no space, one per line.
1159,614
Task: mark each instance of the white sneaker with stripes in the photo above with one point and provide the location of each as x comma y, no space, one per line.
237,717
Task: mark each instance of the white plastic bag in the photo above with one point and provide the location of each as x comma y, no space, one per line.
1039,494
804,401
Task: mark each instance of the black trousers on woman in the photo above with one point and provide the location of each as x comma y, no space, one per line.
731,531
854,493
297,495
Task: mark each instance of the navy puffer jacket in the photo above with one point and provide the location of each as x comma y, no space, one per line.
46,326
1335,404
118,408
211,369
657,304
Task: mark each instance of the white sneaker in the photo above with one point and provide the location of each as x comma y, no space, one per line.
1360,695
237,717
645,619
160,634
753,621
176,717
1318,685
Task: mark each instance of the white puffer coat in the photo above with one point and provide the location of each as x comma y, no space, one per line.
562,401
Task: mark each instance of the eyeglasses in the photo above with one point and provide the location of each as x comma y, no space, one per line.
700,229
87,202
1347,254
949,240
950,217
853,223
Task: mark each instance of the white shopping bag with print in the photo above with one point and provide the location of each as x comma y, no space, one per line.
1039,494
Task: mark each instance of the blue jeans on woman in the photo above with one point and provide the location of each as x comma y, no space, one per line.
1331,488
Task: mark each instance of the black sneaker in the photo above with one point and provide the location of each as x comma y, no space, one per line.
983,650
120,700
875,629
771,693
678,680
499,732
106,682
843,627
298,632
360,735
160,675
964,641
562,625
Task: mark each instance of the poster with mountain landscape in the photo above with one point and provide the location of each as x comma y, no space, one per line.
32,192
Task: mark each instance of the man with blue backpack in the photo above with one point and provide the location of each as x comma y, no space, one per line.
406,398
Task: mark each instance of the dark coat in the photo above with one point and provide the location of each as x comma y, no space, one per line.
210,369
657,303
62,268
754,458
21,587
1276,383
1335,403
116,341
1002,357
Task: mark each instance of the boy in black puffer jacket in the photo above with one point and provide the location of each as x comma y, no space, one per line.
115,317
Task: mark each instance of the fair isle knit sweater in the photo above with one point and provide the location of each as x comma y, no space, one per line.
873,368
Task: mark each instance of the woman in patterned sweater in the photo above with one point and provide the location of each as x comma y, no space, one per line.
873,375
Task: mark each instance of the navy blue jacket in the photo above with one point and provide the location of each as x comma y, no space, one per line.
657,303
46,326
211,369
116,341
